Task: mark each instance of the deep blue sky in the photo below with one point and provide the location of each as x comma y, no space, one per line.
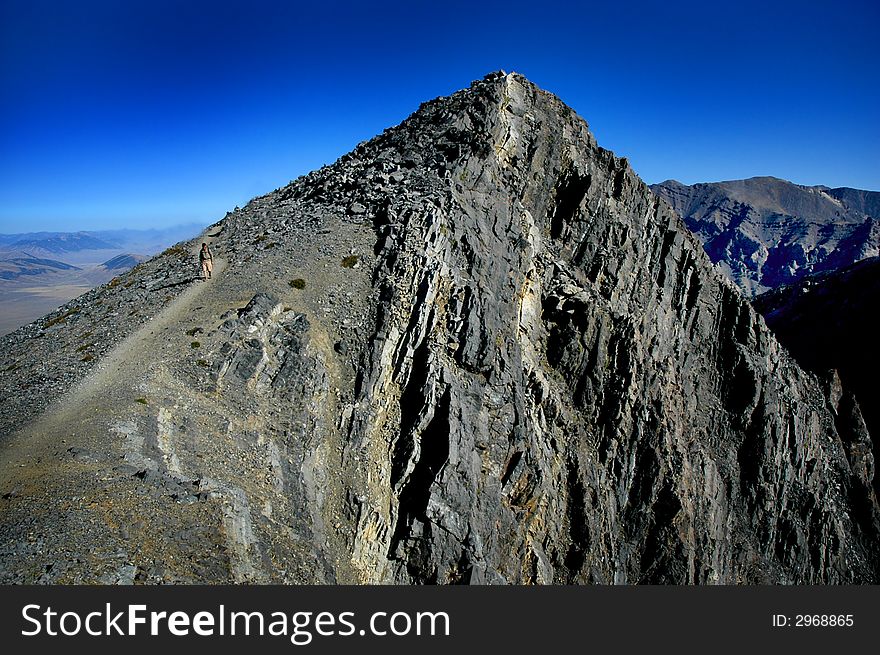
151,113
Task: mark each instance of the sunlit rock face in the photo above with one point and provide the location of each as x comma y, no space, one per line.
478,349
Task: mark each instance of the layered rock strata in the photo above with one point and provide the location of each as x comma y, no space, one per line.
478,349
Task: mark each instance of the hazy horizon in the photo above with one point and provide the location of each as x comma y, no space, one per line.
117,228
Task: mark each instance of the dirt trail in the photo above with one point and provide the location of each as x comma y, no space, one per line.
68,476
175,460
136,352
116,375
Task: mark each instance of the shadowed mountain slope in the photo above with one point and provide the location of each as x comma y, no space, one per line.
828,321
123,262
16,266
867,202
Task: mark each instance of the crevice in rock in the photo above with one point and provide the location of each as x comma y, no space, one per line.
434,452
668,240
511,466
663,559
578,527
617,186
570,193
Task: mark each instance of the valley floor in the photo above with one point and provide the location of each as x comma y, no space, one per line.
22,305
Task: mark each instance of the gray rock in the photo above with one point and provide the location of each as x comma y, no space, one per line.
545,380
825,321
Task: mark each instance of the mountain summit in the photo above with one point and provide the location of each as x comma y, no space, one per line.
475,349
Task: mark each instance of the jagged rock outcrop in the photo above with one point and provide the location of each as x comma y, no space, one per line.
764,232
477,349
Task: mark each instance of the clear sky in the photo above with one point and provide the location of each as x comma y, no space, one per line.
144,113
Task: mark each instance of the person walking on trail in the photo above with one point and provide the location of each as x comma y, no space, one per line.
206,259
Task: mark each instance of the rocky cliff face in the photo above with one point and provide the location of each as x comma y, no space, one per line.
825,321
765,232
477,349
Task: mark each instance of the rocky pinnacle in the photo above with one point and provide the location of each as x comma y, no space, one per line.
476,349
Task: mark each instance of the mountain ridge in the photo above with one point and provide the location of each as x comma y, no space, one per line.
764,232
476,349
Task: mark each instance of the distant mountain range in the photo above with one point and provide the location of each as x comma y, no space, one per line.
94,247
765,232
41,270
55,242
